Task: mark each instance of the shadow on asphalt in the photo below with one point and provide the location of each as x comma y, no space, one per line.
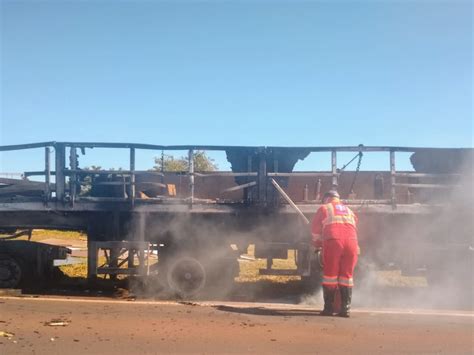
268,312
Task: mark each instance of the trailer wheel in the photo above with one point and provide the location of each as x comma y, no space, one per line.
312,283
186,276
10,272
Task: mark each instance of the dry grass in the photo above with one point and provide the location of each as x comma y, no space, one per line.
41,234
249,269
75,270
394,278
249,274
79,270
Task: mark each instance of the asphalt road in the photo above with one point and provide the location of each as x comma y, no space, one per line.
105,326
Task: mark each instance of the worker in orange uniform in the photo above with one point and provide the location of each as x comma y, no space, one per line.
334,228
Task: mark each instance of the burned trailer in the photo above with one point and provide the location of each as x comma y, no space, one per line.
199,222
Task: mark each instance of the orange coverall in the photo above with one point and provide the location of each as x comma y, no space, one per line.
334,228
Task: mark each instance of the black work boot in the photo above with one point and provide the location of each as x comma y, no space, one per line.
346,297
328,295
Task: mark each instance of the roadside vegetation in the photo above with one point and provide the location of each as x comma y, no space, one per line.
249,265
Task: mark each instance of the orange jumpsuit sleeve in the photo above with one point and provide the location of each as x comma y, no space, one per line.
317,226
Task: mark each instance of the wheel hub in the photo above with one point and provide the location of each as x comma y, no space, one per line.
186,276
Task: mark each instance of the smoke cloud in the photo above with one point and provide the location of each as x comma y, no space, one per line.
418,260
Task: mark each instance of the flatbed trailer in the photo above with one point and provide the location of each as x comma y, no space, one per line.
198,223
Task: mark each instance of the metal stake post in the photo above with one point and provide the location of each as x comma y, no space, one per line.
262,178
191,175
132,176
334,168
47,174
73,177
60,178
392,180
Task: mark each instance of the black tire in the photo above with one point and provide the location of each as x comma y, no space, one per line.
186,276
312,283
189,276
11,272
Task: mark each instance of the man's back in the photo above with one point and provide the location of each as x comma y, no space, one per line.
334,220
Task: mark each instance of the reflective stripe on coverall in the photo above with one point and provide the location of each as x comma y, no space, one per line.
336,224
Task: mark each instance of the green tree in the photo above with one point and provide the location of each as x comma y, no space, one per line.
202,162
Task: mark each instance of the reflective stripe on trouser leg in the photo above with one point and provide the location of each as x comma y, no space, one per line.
329,280
345,281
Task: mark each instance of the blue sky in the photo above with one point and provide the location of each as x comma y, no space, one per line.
290,73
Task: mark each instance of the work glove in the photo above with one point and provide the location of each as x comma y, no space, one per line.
318,243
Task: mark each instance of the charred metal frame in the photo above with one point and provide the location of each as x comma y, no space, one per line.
65,192
120,258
